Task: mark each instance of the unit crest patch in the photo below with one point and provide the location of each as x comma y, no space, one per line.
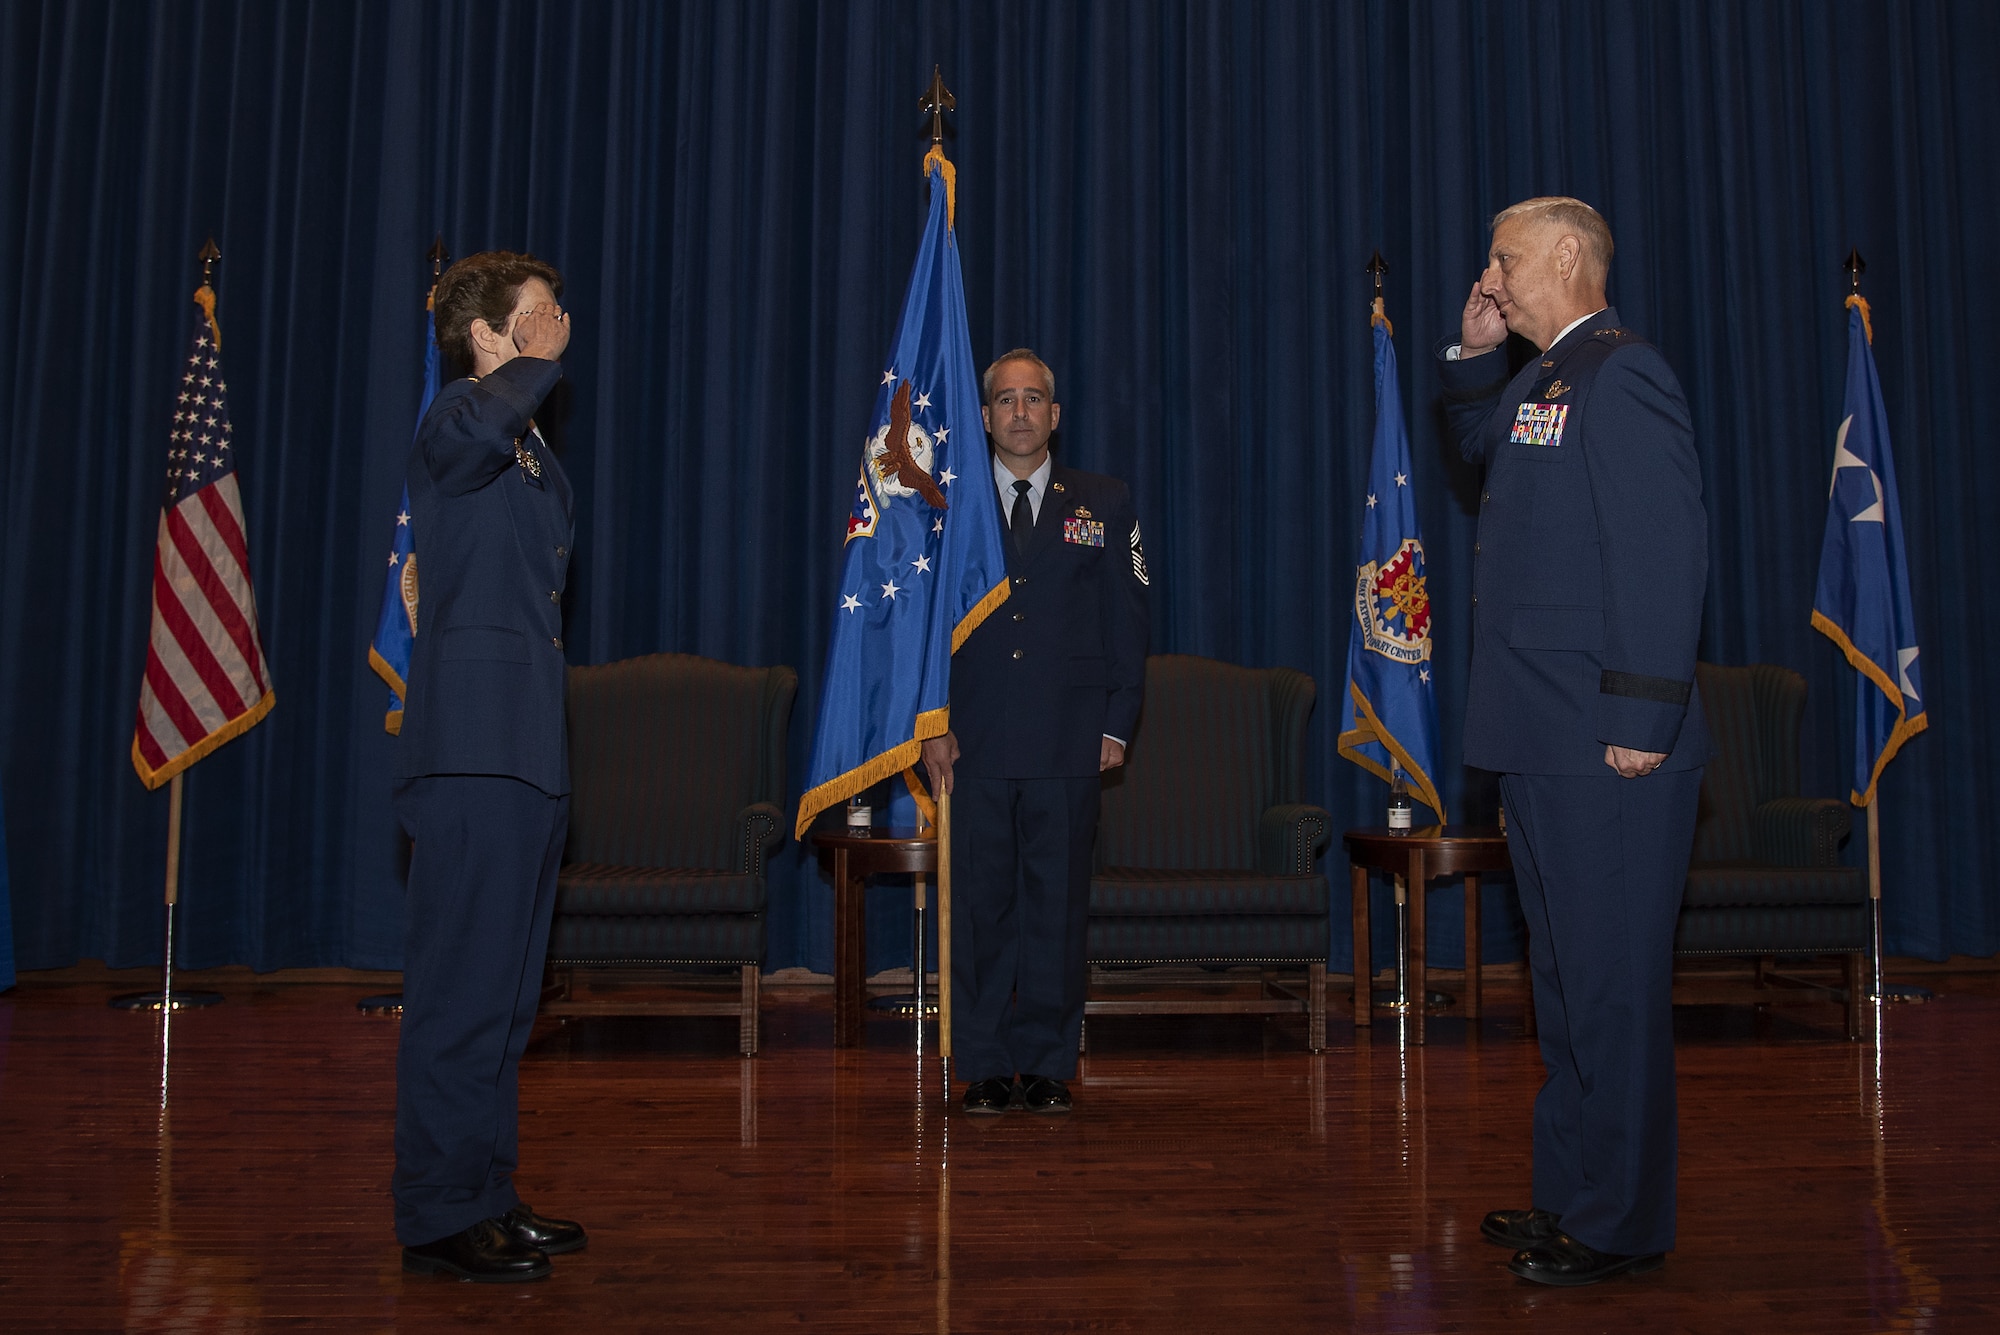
1392,604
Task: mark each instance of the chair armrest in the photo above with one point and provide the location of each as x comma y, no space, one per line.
1801,831
759,827
1288,836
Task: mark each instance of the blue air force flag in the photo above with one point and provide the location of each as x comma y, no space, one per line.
396,626
1863,600
923,563
1389,710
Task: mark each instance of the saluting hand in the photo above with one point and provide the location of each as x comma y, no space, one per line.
542,332
1480,328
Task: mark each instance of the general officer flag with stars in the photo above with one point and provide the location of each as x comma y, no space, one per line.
1863,600
923,563
396,625
1389,710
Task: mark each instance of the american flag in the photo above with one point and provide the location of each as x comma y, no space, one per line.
206,679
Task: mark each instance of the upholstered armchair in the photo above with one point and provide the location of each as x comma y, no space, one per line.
1206,847
677,770
1766,877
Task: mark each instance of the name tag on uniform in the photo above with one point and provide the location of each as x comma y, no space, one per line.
1084,532
1539,424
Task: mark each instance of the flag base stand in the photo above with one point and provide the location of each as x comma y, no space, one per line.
1395,1001
167,999
386,1003
918,1000
161,1001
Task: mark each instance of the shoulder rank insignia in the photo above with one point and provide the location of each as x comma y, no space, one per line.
1548,366
1607,333
1055,486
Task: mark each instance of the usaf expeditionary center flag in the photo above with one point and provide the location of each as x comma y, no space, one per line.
1863,600
396,626
923,563
1389,712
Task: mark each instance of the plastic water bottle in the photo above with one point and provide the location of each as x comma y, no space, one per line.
1401,810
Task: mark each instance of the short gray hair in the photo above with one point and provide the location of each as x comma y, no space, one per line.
1017,355
1570,214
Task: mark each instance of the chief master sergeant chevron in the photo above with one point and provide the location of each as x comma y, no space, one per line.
1588,576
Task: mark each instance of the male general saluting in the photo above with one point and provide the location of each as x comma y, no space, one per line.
1588,576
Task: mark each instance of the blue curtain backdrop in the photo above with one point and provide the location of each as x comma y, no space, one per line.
1173,202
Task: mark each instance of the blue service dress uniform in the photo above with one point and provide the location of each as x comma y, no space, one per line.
1034,691
1588,578
482,787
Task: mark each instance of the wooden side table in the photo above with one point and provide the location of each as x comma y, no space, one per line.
849,857
1418,856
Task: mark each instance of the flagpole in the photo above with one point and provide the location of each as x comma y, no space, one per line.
1878,990
945,940
166,999
391,1003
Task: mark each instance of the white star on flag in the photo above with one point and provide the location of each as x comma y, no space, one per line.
889,376
850,604
1371,500
921,401
890,590
947,477
403,519
1402,481
392,558
921,563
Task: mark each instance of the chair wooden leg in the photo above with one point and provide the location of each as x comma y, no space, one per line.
1316,1006
747,1022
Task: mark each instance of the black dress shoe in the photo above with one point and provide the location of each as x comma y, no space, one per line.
989,1098
1567,1263
552,1236
1518,1229
1044,1094
486,1253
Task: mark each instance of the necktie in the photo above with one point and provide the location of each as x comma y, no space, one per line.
1022,521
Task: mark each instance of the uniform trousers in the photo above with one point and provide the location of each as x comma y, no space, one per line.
1601,864
482,889
1020,910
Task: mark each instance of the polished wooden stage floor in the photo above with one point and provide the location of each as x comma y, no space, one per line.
1215,1177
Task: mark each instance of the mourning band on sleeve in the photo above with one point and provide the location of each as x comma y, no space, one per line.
1637,686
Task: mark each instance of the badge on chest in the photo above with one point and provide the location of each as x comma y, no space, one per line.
1539,424
1082,530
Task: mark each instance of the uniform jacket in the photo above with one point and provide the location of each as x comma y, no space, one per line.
487,674
1062,663
1592,556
